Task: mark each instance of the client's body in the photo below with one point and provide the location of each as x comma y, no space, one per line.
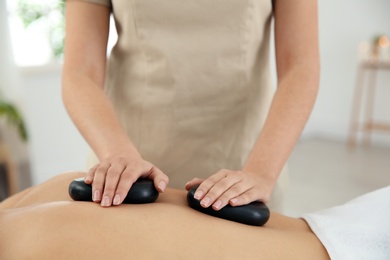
43,222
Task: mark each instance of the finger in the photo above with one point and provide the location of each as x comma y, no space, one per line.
219,188
127,178
233,192
159,178
193,182
112,178
206,185
90,174
246,198
98,181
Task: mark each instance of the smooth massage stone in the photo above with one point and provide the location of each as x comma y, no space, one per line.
142,191
255,213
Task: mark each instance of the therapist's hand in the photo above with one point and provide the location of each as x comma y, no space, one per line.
112,178
231,187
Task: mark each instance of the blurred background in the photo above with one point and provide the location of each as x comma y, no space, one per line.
333,161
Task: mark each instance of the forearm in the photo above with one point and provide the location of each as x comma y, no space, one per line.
85,56
87,29
297,64
94,116
289,112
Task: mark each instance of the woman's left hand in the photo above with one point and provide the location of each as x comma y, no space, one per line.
231,187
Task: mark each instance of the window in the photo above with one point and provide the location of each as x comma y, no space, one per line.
37,31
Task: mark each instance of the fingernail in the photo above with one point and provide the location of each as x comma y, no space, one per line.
205,202
117,199
162,185
217,205
106,201
234,201
96,195
88,179
198,194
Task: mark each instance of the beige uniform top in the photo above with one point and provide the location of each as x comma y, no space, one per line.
190,81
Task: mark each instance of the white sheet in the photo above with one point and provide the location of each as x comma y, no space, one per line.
357,230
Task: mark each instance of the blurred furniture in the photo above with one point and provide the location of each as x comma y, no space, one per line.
369,70
9,179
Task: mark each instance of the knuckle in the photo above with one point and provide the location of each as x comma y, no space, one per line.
136,164
113,172
235,190
232,192
129,169
104,165
213,194
239,174
110,186
101,171
98,182
129,180
109,190
121,162
208,183
205,186
121,159
225,198
223,172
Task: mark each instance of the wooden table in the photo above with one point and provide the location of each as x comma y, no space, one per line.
366,69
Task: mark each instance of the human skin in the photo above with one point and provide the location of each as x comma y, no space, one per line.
297,64
87,27
297,60
43,222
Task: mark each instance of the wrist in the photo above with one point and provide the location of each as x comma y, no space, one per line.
264,175
124,151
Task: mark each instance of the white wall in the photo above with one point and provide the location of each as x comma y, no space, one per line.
11,89
56,146
343,25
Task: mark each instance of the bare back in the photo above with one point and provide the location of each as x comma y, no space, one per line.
43,222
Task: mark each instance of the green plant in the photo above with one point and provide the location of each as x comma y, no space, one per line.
54,17
14,117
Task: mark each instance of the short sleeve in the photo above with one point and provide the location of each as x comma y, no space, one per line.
100,2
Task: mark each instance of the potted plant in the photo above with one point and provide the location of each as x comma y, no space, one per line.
13,117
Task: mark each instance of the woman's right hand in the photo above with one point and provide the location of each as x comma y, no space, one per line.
112,178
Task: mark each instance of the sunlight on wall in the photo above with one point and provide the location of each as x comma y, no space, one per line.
31,45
